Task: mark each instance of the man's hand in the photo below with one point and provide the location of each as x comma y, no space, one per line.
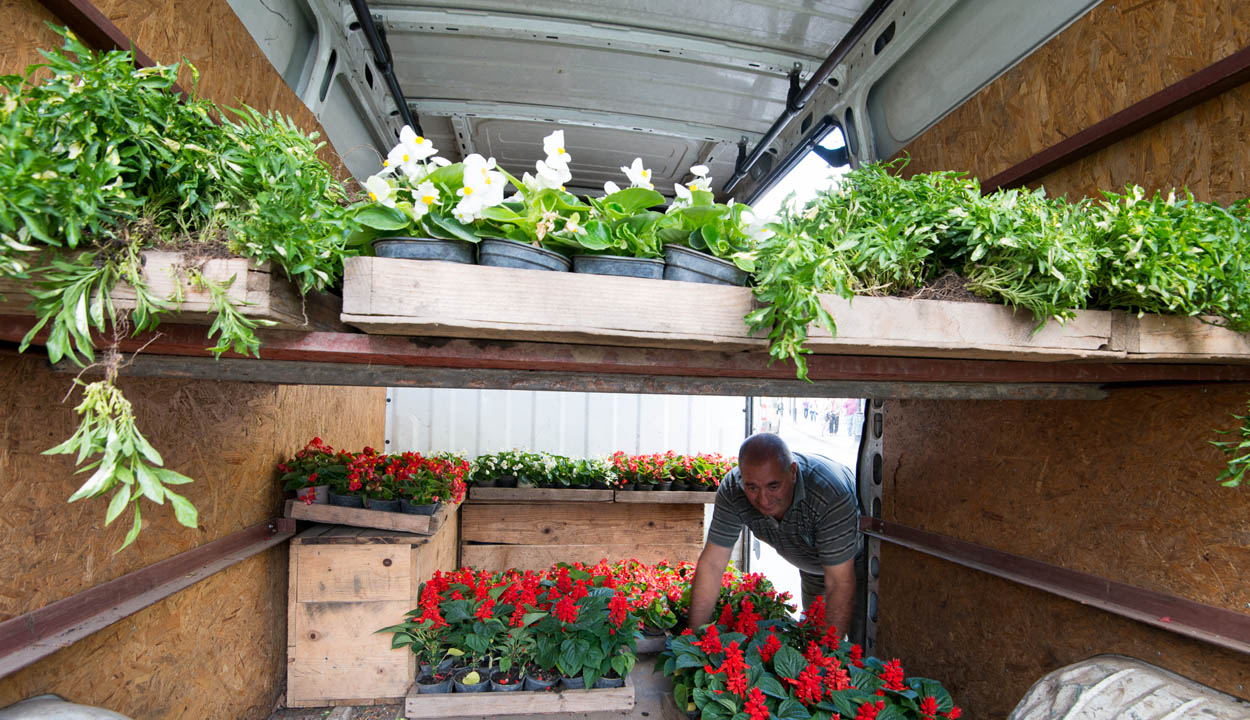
705,588
840,595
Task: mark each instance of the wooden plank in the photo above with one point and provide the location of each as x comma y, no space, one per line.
578,523
541,557
338,656
1192,339
533,494
414,297
522,703
666,497
944,328
358,517
311,533
39,633
259,292
353,573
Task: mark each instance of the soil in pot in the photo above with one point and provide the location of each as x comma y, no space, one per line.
351,501
434,684
617,265
501,681
482,684
512,254
413,248
383,505
538,679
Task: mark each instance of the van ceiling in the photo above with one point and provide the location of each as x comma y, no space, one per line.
675,83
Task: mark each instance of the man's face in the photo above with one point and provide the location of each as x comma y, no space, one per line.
769,486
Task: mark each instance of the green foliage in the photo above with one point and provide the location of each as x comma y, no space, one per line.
100,161
725,231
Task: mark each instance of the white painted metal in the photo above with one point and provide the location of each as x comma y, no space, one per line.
567,423
1113,687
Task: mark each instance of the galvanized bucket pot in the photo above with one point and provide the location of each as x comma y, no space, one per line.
682,263
412,248
617,265
512,254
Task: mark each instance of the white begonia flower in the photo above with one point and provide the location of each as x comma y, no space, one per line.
552,176
380,190
701,180
638,175
553,146
756,227
573,225
610,187
683,199
424,198
411,150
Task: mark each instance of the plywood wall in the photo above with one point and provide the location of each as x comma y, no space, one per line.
216,649
1122,488
1118,54
206,33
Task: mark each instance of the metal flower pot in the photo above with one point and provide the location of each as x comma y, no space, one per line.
384,505
410,508
512,254
412,248
351,501
682,263
617,265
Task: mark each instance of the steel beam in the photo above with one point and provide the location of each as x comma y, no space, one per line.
1203,85
39,633
1215,625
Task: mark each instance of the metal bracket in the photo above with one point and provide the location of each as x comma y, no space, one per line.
792,97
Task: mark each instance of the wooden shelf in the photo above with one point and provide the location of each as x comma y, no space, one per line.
533,494
568,703
358,517
257,290
666,497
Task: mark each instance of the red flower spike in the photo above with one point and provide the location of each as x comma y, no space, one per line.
954,713
892,674
726,619
755,706
770,647
710,643
857,654
808,689
566,610
867,711
928,708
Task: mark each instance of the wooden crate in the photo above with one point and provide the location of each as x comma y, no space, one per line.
532,536
522,703
344,584
261,291
533,494
362,517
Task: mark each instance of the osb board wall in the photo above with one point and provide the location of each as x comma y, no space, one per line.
1116,55
207,33
988,640
1122,488
229,437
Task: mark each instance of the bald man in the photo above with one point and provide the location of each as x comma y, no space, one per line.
804,506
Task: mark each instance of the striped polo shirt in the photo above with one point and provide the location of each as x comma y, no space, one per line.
820,528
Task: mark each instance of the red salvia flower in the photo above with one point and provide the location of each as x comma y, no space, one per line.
837,678
618,608
566,610
928,707
748,620
868,711
726,619
518,617
755,706
563,582
815,615
813,653
954,713
734,668
892,674
857,654
485,610
770,647
808,689
710,643
831,639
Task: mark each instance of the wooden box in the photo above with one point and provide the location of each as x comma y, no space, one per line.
260,291
523,703
345,583
533,535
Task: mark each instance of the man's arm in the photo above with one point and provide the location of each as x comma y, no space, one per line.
840,595
707,579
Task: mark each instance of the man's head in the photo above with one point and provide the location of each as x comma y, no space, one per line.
768,473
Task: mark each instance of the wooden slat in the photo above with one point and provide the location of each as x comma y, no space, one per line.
579,523
258,292
337,656
416,297
353,573
1192,339
541,557
364,518
522,703
666,497
520,494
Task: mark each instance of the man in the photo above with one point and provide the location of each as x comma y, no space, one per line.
802,505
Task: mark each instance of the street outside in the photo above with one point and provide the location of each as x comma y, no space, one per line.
805,433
